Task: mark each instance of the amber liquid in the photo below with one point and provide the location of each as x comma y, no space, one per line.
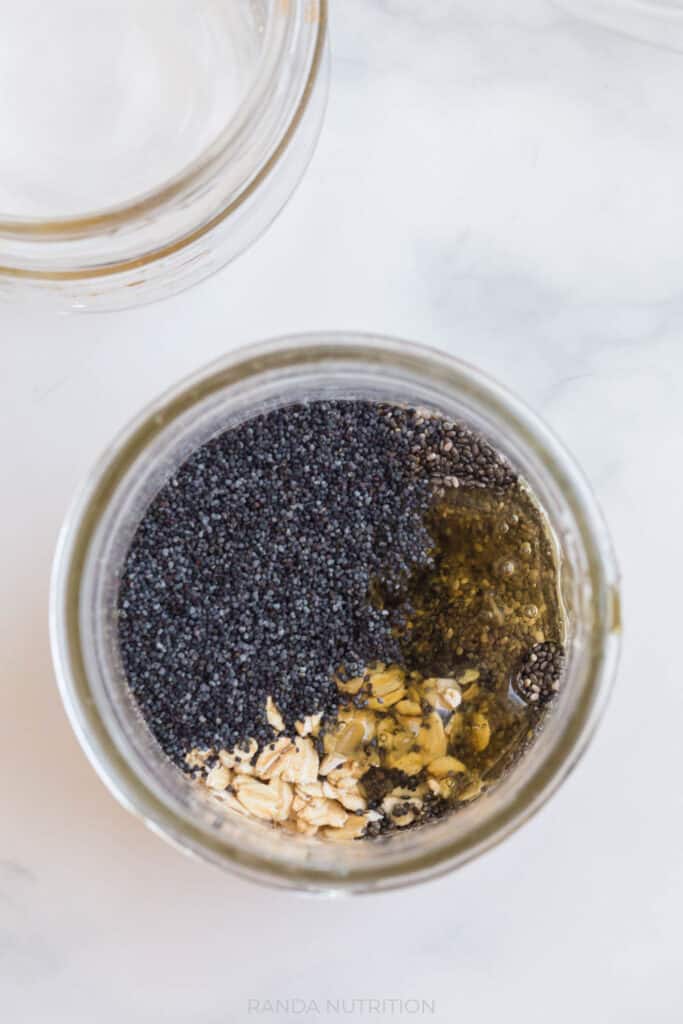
489,598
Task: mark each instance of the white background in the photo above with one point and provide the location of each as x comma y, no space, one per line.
503,181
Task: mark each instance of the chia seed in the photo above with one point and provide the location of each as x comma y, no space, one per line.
538,678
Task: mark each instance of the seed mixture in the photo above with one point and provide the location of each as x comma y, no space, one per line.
342,617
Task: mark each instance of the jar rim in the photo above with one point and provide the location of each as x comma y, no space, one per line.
137,210
137,795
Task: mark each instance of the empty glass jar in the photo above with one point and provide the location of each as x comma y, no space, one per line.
147,144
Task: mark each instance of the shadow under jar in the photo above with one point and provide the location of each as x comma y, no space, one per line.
145,145
103,522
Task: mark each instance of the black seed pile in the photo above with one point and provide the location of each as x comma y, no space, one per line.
250,573
538,678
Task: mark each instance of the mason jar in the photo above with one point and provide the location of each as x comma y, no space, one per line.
145,145
103,520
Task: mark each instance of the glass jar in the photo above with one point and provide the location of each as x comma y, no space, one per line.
145,145
104,518
654,21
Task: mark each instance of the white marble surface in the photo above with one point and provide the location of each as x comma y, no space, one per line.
503,181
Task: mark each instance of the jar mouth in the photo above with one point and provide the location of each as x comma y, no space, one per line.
52,249
404,860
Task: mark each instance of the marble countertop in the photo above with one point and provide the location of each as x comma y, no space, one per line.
501,180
